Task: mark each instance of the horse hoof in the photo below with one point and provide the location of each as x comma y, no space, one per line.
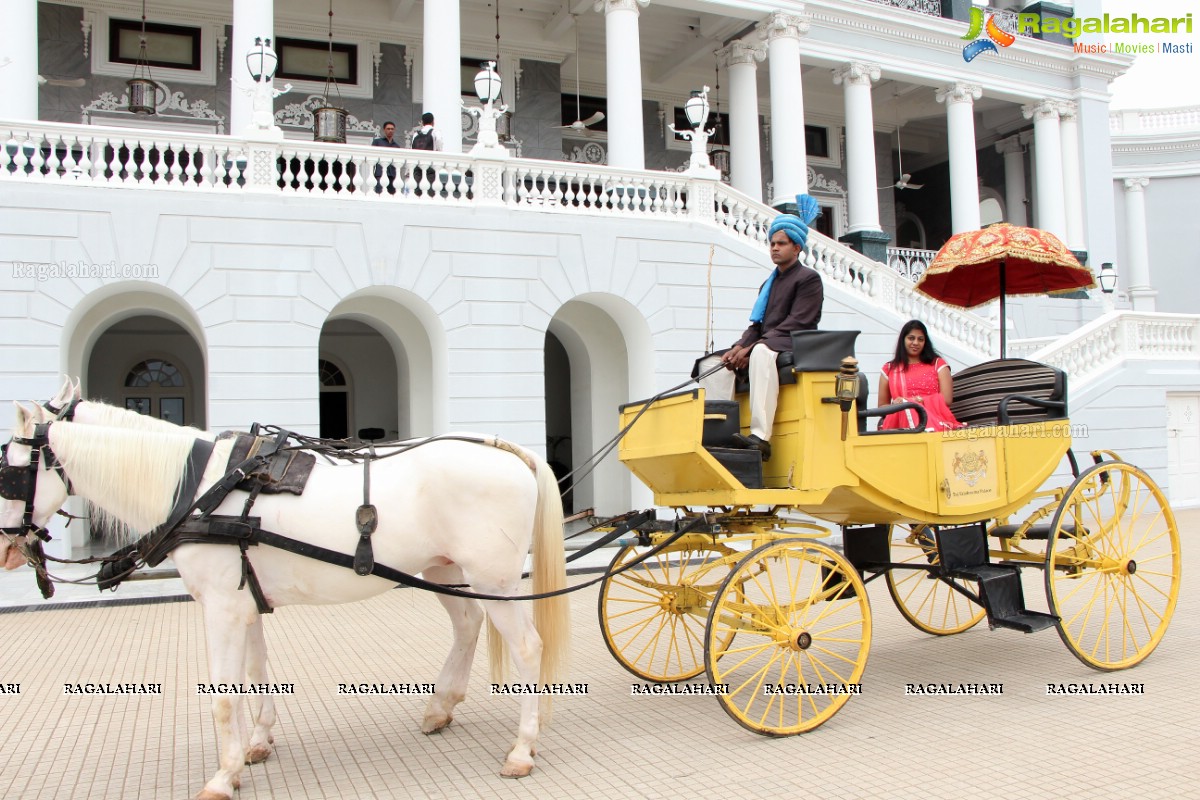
433,724
209,794
258,754
516,769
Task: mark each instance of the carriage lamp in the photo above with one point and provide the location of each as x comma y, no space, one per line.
1107,278
846,389
696,110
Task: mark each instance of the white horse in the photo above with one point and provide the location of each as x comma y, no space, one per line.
424,526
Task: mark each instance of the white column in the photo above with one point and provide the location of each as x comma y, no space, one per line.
745,156
789,162
251,19
1068,119
964,170
623,67
19,42
1141,292
441,71
1048,178
1014,179
860,145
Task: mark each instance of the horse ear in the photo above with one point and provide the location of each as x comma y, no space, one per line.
77,389
23,416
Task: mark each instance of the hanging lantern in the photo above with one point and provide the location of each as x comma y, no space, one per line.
141,90
329,121
329,124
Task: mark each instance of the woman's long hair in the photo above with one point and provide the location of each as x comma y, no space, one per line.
928,354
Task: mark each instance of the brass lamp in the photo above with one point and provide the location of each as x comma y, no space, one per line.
846,389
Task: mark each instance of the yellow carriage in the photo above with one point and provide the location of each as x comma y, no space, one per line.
780,622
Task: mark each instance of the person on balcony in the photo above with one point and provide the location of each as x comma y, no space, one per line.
917,374
789,300
388,139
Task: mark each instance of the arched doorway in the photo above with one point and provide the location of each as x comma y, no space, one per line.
559,451
359,382
151,365
598,355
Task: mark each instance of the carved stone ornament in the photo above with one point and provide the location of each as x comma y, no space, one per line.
1068,110
174,104
818,182
619,5
1041,110
590,153
1136,184
783,26
300,115
959,92
857,73
740,51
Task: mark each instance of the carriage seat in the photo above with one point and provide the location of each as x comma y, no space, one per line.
1008,391
812,351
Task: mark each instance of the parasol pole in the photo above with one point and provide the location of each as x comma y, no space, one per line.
1003,322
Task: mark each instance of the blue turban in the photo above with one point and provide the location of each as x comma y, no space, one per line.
796,228
796,225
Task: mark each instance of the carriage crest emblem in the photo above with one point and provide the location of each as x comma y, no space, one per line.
970,467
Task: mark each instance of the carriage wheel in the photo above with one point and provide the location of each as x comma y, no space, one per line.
804,622
653,614
927,601
1113,566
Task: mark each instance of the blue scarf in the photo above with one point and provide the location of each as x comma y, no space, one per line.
760,305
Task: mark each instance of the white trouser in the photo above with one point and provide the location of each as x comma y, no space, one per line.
764,387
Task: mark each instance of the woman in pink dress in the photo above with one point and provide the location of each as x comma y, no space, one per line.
917,374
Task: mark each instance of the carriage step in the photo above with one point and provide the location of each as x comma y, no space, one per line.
1003,599
745,465
1039,531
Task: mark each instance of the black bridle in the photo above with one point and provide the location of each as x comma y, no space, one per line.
20,483
65,413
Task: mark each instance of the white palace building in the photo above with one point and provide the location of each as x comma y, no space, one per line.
213,264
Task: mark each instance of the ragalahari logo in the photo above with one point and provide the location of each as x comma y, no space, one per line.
995,35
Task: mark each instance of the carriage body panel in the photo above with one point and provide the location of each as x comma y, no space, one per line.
931,477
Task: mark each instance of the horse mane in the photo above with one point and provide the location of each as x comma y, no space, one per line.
129,477
118,417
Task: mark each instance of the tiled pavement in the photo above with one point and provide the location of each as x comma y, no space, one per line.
883,744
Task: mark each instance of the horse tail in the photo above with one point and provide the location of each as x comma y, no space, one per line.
551,615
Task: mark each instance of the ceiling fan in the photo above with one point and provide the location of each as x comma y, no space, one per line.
580,125
68,82
905,180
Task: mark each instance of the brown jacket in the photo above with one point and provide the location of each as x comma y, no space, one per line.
794,305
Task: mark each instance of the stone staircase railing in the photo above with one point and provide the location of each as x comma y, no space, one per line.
1101,345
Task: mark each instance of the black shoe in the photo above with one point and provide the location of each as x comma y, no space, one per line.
752,442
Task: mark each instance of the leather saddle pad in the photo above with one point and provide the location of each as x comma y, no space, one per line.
295,474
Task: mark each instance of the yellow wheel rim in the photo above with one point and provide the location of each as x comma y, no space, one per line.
653,614
929,603
1113,566
803,624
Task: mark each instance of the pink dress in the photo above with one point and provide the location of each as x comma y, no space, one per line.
922,380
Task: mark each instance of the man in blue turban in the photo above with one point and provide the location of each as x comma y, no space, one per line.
789,300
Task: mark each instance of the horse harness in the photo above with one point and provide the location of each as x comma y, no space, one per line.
269,464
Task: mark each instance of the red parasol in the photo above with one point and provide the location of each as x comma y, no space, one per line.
975,267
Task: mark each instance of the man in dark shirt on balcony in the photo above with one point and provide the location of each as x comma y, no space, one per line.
388,139
789,300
